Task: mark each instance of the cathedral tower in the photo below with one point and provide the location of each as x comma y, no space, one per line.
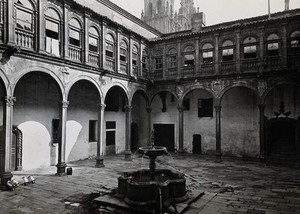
185,13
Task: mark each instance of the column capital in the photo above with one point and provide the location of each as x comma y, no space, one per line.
149,109
9,100
128,108
218,108
65,104
102,107
180,108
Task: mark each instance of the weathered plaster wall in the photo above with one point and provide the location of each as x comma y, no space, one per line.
240,123
171,116
205,126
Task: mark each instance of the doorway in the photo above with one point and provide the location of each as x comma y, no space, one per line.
134,136
164,136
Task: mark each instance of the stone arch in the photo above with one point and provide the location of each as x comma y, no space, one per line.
120,85
166,90
6,83
43,70
55,8
87,78
143,93
225,90
267,92
193,88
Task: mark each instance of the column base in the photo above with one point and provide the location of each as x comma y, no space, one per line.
180,151
262,159
99,162
219,157
61,169
4,178
128,156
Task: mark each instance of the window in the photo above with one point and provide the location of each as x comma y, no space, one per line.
189,58
295,43
250,48
123,51
52,32
110,133
207,53
273,45
93,40
134,55
172,58
144,59
158,63
227,52
55,131
24,15
92,130
205,107
75,33
110,46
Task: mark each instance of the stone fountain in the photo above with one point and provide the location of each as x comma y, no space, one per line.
152,188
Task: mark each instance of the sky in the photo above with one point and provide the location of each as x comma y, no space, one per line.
218,11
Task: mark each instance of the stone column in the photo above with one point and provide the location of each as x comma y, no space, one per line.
261,49
100,149
262,131
238,51
181,111
61,165
117,57
128,110
130,65
5,147
218,132
149,110
65,41
284,45
179,73
85,40
41,29
217,61
9,31
197,60
103,59
164,61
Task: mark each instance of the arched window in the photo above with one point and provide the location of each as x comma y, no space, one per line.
52,32
295,42
227,51
109,46
207,53
189,57
25,21
75,32
93,40
134,55
123,51
250,48
172,55
273,45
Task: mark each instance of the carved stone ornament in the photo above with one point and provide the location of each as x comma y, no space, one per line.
179,90
216,86
261,87
66,74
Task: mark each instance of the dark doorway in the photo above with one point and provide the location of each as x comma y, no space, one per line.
164,136
282,141
134,136
197,144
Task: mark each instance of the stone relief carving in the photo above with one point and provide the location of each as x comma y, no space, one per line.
262,87
179,90
216,86
66,74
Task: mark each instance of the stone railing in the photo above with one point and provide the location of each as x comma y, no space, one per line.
172,73
24,39
207,69
110,64
273,62
189,71
158,74
249,65
94,59
228,67
123,68
75,53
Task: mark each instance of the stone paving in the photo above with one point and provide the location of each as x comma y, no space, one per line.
230,186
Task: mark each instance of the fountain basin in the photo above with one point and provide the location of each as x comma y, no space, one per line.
153,151
138,189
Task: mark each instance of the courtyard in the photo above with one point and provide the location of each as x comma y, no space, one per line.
230,186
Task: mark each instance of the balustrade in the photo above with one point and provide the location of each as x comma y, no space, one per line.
189,71
75,53
172,73
94,59
123,68
158,74
228,67
110,64
249,65
24,39
272,62
207,69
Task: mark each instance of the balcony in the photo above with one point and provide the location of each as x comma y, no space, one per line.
189,71
228,67
208,69
123,68
110,64
249,65
158,74
273,62
94,59
172,73
75,53
24,39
